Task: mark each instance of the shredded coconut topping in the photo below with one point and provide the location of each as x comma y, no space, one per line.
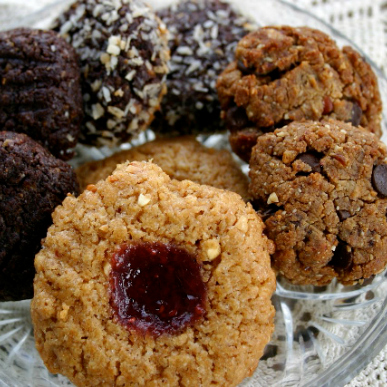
123,50
207,32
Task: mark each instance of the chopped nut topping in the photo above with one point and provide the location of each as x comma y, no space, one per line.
143,200
212,249
273,198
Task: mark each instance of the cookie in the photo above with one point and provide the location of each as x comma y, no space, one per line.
322,188
40,94
181,158
285,74
203,37
161,282
123,52
32,184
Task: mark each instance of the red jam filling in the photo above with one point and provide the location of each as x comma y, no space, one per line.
156,288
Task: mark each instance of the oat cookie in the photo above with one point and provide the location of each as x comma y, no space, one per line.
41,93
285,74
144,280
123,52
181,158
322,187
32,184
203,35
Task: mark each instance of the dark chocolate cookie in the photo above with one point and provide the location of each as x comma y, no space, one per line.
285,74
40,93
203,38
322,188
123,51
32,184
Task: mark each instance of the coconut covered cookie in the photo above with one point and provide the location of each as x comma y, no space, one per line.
123,53
203,35
285,74
181,158
144,280
322,188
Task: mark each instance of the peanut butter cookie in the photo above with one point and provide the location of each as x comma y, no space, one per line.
144,280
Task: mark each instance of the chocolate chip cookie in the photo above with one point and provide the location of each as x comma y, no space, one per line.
32,184
123,53
180,158
322,189
41,92
144,280
203,35
285,74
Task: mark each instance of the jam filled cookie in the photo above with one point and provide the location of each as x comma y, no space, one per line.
144,280
123,52
41,93
32,184
322,189
181,158
203,37
285,74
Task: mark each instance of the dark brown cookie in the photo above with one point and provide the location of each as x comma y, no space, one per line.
285,74
123,51
40,93
322,189
32,184
203,38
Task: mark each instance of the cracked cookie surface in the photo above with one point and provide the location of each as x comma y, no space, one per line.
180,158
321,187
76,329
285,74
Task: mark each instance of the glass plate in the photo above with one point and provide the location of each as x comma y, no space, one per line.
324,336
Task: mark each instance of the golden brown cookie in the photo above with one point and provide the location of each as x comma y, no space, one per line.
322,187
284,74
137,235
182,158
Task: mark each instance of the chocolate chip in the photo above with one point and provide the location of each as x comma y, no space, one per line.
356,114
343,214
268,212
312,159
379,179
328,105
245,70
342,258
236,118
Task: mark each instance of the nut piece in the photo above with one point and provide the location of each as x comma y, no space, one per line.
273,198
143,200
242,224
212,249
